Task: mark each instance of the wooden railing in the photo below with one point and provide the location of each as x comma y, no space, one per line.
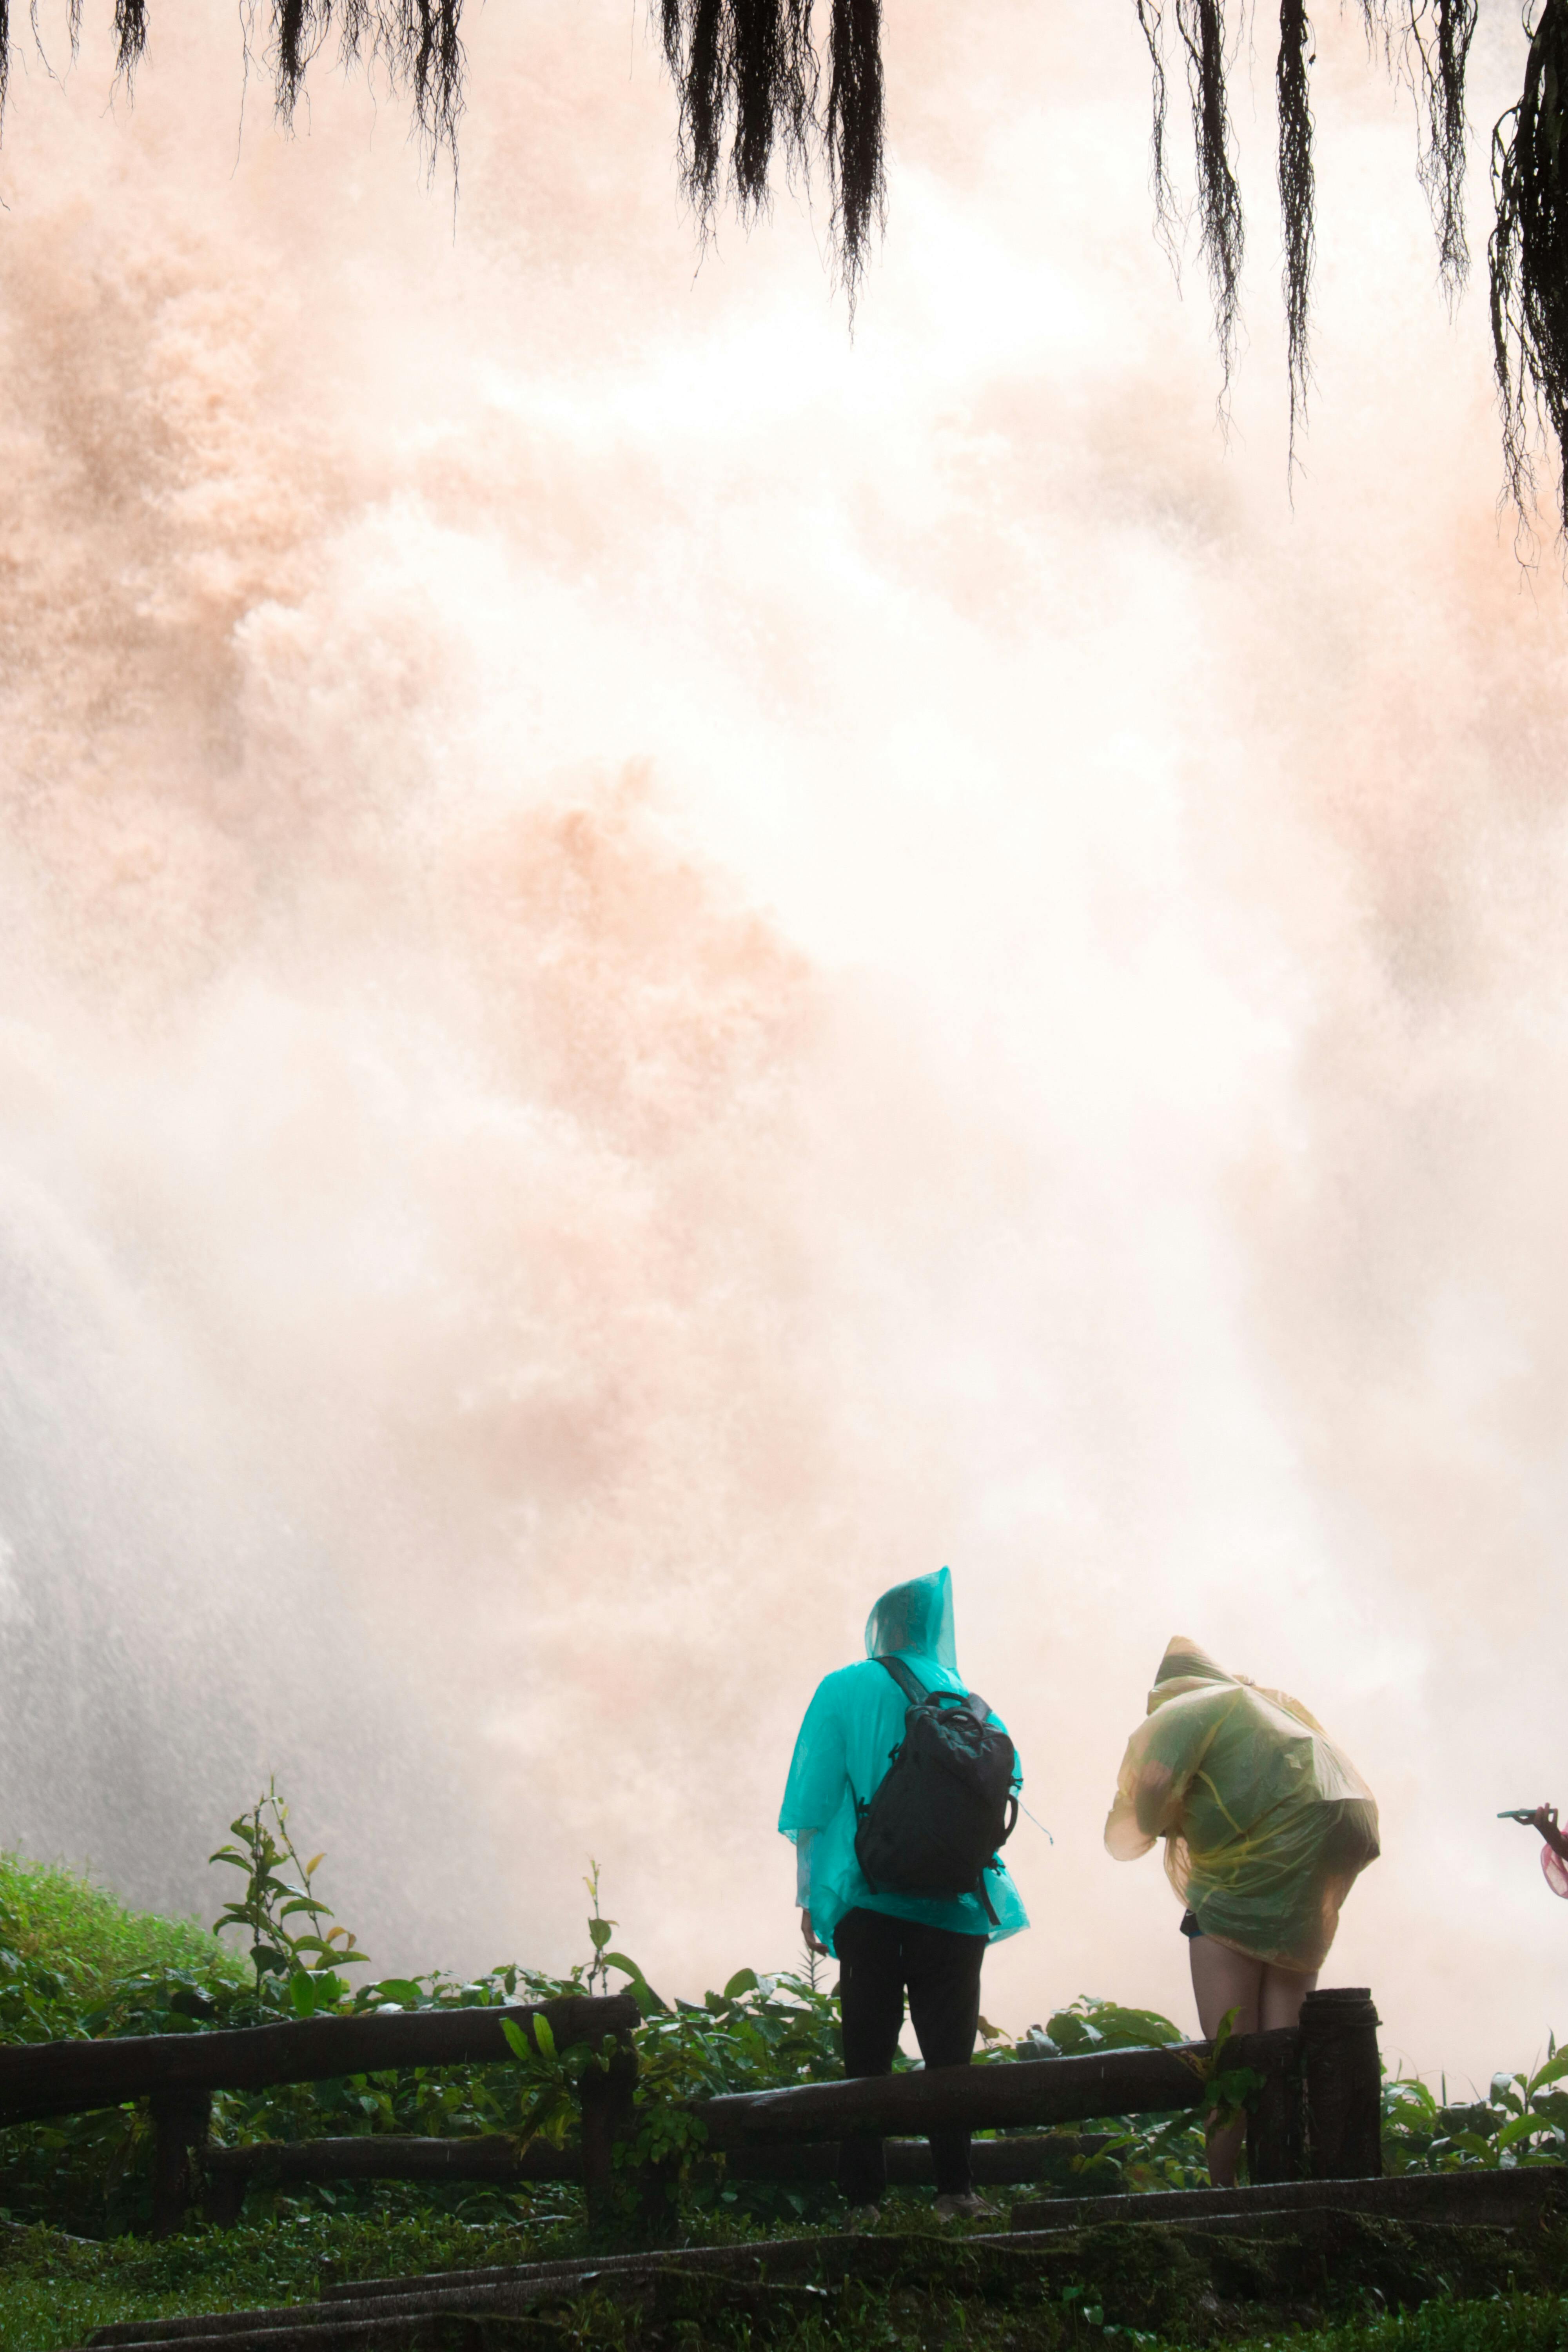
53,2078
178,2073
1315,2112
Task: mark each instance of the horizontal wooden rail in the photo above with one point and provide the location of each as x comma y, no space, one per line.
989,2098
1019,2159
230,2172
493,2157
1316,2111
386,2156
52,2078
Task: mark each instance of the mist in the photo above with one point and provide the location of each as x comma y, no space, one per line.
661,965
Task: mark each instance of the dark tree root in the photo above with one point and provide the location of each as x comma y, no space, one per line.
1529,256
1296,197
749,73
755,84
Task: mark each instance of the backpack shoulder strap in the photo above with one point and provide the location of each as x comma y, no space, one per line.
913,1690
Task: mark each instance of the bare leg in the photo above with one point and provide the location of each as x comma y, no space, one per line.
1284,1990
1222,1980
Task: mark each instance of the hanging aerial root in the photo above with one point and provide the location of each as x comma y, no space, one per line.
417,43
776,78
746,69
703,96
1222,235
430,58
74,21
1439,39
129,36
749,75
299,28
855,134
1528,257
1295,198
1428,44
1151,23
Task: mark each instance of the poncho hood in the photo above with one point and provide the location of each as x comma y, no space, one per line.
1184,1667
916,1617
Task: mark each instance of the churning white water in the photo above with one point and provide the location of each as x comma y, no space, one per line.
658,968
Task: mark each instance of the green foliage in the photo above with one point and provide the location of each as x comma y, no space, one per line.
55,2291
760,2033
1088,2025
1230,2087
74,1962
1136,2152
1512,2322
1523,2121
89,1941
295,1966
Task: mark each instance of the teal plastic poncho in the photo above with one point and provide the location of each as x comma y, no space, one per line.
1267,1825
845,1744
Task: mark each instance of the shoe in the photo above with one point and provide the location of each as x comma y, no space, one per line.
864,2217
970,2207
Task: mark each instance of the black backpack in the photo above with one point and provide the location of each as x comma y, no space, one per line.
945,1803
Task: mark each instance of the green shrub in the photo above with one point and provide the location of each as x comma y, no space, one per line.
76,1961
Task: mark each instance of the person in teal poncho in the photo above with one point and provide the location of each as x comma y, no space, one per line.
886,1943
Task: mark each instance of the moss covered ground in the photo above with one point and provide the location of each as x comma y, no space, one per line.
55,2291
1345,2284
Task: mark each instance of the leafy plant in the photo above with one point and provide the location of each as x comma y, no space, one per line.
599,1933
603,1959
1089,2025
1114,2153
91,2173
1231,2089
303,1964
1523,2121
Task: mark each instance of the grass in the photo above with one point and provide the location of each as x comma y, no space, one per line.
92,1940
55,2292
1516,2322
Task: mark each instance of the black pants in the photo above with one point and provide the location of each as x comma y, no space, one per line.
879,1957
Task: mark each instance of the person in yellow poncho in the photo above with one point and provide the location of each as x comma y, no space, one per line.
1267,1826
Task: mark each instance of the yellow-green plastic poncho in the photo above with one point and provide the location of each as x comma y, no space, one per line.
853,1725
1267,1825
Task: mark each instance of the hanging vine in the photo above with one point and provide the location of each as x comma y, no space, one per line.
418,42
1295,198
748,74
766,82
1529,258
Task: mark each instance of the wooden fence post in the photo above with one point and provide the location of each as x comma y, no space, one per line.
608,2115
1275,2121
182,2122
223,2201
1342,2080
